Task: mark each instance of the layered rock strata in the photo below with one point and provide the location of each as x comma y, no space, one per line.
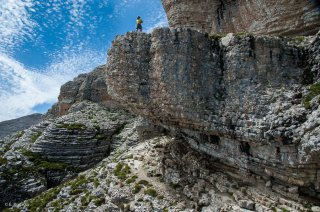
163,174
272,17
242,99
55,150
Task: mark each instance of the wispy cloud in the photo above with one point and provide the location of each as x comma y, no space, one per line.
16,23
73,27
29,88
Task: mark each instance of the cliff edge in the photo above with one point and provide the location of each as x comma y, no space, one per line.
249,101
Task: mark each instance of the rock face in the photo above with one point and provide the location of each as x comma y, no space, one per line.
55,150
15,125
90,86
243,99
161,174
272,17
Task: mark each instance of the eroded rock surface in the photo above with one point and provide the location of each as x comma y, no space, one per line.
272,17
90,87
45,155
162,174
243,99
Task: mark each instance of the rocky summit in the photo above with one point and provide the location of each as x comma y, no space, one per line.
186,118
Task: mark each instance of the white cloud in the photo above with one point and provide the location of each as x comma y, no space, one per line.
159,20
22,88
32,87
15,22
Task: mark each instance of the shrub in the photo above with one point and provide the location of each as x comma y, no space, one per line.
216,36
39,203
41,163
143,182
19,134
151,192
100,201
34,137
73,126
136,188
78,182
313,92
122,170
3,161
131,180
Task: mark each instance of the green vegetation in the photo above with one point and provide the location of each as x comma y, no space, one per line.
76,191
96,182
79,181
3,161
39,202
100,201
137,188
308,205
57,204
85,200
151,192
143,182
129,156
217,36
297,39
34,137
175,185
241,34
165,210
160,197
121,171
19,134
101,137
313,92
284,210
41,163
131,180
73,126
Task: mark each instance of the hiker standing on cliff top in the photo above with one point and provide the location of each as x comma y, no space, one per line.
139,24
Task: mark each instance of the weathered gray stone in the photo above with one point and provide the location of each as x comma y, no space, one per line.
259,16
247,204
238,100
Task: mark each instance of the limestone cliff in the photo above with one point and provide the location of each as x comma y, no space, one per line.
45,155
285,17
242,99
90,86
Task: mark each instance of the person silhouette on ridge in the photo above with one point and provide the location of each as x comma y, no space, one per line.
139,24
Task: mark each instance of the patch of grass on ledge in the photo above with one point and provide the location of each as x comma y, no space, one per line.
19,134
3,161
121,171
73,126
151,192
313,92
41,163
217,36
35,136
39,203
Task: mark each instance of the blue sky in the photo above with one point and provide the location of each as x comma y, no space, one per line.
44,44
